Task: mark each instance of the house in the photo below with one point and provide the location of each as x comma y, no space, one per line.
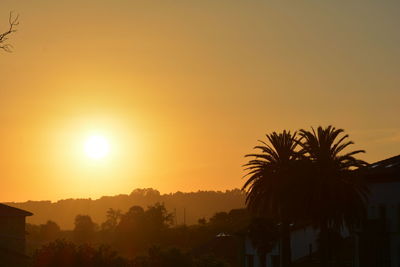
223,246
303,245
378,241
12,236
375,244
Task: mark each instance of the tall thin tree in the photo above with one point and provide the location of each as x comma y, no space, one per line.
337,196
271,184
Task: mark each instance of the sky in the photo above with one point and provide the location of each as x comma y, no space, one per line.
182,90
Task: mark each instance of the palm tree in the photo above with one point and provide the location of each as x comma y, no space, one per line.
271,186
337,196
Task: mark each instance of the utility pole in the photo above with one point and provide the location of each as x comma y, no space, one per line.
184,216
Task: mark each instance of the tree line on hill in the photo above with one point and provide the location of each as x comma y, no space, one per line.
187,207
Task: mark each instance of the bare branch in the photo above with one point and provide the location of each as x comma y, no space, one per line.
13,23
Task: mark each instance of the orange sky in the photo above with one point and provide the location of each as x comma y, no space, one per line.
183,89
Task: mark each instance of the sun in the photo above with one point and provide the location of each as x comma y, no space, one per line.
96,147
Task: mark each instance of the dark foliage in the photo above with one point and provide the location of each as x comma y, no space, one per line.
336,194
272,186
307,179
84,230
174,257
61,253
147,237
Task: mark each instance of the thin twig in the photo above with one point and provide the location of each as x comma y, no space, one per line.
13,22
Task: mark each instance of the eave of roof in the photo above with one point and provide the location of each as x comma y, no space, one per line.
384,171
7,211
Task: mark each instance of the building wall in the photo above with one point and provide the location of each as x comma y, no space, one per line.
302,241
250,253
384,202
12,233
386,196
384,205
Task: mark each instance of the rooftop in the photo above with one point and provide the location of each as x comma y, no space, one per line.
8,211
387,170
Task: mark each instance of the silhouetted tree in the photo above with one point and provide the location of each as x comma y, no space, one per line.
202,221
209,261
239,219
49,231
13,22
138,229
337,196
84,229
158,217
220,218
65,254
272,184
173,257
113,217
168,258
230,222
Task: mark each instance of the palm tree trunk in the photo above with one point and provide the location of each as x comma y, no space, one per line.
263,259
324,245
286,253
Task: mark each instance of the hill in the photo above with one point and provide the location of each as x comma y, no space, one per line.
188,206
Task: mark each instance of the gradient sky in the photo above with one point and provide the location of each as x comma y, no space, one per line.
183,89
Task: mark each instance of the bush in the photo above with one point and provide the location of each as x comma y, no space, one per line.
61,253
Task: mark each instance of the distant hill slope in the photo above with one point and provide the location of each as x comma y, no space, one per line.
196,205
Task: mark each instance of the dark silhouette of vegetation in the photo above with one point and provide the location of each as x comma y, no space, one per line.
337,196
139,228
84,230
113,219
13,22
272,176
61,253
145,237
201,204
49,231
159,258
173,257
202,221
307,179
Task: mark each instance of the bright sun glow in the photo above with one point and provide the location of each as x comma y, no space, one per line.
96,147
